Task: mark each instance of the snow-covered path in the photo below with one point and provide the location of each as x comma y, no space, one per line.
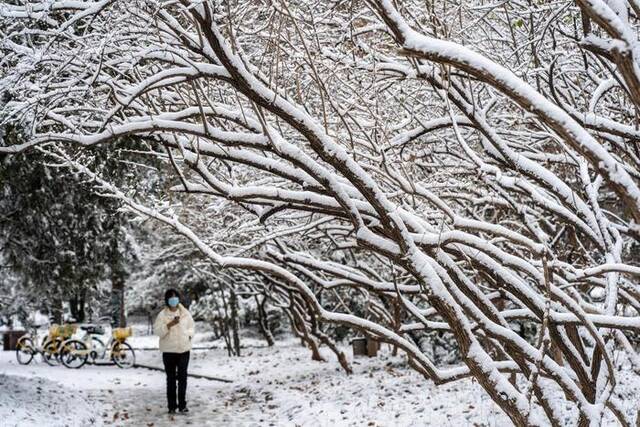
277,386
109,395
272,386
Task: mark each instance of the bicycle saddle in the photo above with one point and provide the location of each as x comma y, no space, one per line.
92,329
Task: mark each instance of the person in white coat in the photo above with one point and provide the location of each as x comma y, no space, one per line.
175,327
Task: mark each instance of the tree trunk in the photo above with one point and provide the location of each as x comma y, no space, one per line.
263,321
56,309
118,275
77,306
233,301
228,322
300,329
73,307
118,318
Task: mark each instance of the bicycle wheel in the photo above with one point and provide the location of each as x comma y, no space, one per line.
123,355
98,349
73,354
25,350
50,352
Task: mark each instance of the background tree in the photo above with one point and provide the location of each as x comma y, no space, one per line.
59,239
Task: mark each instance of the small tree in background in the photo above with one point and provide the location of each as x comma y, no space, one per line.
59,238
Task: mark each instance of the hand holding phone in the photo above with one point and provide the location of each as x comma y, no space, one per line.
175,321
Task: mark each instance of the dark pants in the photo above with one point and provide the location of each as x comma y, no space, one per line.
176,363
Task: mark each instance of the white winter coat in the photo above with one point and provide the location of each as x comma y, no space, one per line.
176,339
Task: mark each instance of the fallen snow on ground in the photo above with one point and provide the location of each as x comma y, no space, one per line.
26,402
271,387
282,386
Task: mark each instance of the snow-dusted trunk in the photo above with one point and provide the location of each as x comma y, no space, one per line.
77,305
263,320
234,321
56,309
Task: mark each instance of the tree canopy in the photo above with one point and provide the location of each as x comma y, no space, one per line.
461,167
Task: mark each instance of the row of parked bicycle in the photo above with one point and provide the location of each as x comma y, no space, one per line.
59,346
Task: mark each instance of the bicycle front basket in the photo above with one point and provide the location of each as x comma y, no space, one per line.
54,331
62,331
121,334
66,331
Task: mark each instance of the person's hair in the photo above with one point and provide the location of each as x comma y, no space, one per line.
170,293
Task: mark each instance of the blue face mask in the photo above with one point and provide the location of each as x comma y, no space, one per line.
173,301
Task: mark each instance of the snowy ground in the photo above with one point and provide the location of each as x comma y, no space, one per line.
37,401
272,386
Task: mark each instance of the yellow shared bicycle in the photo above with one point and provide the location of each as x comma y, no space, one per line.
76,352
50,347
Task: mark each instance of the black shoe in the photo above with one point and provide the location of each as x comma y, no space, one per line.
172,411
184,410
